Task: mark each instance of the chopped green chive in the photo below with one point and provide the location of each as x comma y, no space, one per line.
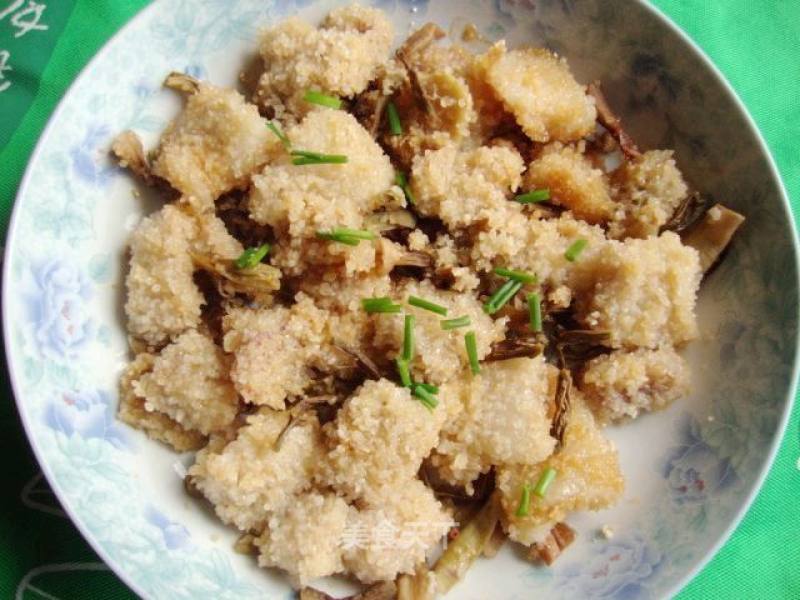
380,305
343,235
455,323
533,196
359,234
425,304
315,97
516,275
424,396
342,239
524,501
428,387
252,257
408,338
275,128
401,181
395,126
535,310
472,352
303,157
574,251
403,372
504,293
546,478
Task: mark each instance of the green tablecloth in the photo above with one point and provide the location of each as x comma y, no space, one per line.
44,44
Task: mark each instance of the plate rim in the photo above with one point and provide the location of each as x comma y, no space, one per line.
647,5
11,231
780,430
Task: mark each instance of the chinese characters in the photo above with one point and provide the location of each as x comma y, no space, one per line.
23,16
5,55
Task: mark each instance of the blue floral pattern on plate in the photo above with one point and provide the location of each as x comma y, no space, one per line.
66,342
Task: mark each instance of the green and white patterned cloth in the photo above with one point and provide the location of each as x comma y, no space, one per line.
44,44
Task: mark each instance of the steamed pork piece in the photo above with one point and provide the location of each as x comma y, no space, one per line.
573,182
163,300
274,350
537,245
464,187
340,57
587,477
299,201
622,384
503,420
261,470
432,93
649,188
440,355
305,538
395,532
379,439
212,239
189,383
157,425
642,292
538,88
213,146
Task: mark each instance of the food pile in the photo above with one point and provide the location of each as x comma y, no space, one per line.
393,297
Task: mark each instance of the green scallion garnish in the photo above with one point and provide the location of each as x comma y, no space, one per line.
424,396
455,323
428,387
401,181
395,126
380,305
275,128
403,372
504,293
535,311
344,235
545,479
425,304
408,338
516,275
304,157
575,249
315,97
252,257
534,196
472,352
524,501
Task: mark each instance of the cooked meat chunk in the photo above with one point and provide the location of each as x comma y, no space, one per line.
465,187
624,383
503,420
189,383
538,88
163,300
379,439
257,473
650,188
157,425
642,292
340,57
573,183
305,537
588,477
214,145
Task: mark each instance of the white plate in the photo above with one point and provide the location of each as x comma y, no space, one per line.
691,471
